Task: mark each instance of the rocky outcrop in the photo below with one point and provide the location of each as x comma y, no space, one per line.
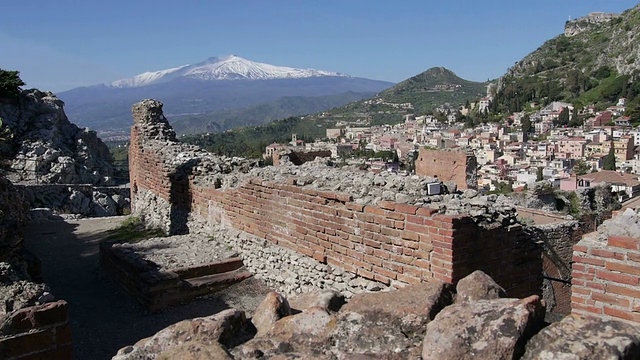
47,148
582,337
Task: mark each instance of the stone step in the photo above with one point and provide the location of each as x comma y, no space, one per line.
209,283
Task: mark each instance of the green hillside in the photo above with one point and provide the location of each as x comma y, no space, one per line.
596,62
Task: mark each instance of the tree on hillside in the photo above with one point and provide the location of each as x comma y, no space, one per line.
563,118
526,127
10,84
610,160
581,167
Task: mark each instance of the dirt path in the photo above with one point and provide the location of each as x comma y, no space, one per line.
103,318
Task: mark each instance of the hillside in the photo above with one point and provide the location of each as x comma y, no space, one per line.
432,88
262,113
597,59
417,95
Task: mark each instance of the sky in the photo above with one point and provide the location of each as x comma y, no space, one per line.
63,44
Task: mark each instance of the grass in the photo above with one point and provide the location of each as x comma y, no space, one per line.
132,230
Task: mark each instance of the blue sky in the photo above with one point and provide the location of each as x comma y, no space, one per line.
59,45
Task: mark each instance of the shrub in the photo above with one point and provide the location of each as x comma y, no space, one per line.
10,84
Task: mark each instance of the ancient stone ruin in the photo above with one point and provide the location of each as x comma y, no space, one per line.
316,229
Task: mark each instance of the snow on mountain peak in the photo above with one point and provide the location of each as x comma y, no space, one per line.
231,67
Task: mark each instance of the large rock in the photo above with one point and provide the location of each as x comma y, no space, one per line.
329,300
485,329
224,328
478,286
45,146
383,325
388,324
273,308
582,338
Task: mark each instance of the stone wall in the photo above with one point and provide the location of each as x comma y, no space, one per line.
456,166
558,240
85,200
606,270
387,230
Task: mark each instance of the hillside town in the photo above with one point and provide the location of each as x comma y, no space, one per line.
567,157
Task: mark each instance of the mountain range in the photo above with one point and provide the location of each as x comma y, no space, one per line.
216,85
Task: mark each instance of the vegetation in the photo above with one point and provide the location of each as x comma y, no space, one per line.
10,84
251,141
262,113
581,168
610,160
132,230
580,69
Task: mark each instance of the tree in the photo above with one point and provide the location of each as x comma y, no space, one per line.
526,127
540,174
581,167
10,84
610,159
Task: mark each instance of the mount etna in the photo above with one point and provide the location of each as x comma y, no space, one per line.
203,95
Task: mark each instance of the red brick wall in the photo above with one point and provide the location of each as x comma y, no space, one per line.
388,242
37,332
606,278
447,166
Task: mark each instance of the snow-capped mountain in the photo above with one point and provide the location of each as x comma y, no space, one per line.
223,68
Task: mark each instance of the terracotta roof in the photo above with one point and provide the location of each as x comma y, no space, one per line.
612,177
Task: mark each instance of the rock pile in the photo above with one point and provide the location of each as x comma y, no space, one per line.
47,147
419,321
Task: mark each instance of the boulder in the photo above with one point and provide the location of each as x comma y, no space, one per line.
579,337
273,308
478,286
303,335
329,300
483,329
388,324
224,328
195,350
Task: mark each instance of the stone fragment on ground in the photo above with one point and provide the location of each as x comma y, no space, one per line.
478,286
579,337
483,329
273,308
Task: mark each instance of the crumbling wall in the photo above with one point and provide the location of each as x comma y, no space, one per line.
300,157
381,227
606,270
457,166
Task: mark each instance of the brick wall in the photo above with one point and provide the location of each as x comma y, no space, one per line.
37,332
456,166
388,243
606,277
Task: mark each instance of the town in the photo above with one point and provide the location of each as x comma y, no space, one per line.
508,157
